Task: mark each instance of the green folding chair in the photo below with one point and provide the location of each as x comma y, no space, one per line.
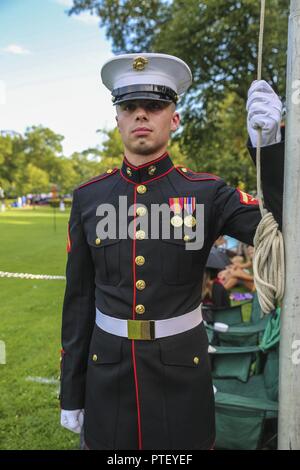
247,400
230,315
256,311
242,333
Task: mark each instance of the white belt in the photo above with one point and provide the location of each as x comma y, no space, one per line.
149,329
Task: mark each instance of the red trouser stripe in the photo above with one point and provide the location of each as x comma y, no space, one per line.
133,317
137,397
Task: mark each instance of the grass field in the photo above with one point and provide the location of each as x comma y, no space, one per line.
30,321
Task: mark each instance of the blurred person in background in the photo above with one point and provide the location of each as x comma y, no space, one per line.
240,272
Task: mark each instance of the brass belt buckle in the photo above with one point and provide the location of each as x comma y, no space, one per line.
141,329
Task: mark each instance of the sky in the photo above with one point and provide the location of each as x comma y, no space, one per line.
50,72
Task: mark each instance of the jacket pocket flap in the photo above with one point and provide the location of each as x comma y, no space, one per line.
101,243
187,349
105,348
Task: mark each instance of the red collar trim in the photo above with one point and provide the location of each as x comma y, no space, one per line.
147,172
145,164
146,182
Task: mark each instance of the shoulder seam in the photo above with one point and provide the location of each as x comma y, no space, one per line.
209,178
97,178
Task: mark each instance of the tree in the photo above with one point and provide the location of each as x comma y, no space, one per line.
12,160
112,151
42,146
36,181
217,39
216,153
33,162
219,42
131,24
66,177
83,167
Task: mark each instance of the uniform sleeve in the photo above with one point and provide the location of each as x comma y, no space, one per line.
237,214
78,316
233,216
272,175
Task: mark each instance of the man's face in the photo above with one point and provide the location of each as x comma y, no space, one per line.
145,125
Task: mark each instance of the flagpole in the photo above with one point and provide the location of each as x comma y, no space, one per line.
289,370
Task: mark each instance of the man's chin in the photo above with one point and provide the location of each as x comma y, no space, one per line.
145,150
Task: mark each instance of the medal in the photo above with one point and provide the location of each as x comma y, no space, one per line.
190,221
176,205
189,207
176,221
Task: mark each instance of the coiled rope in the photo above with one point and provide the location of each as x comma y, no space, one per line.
268,259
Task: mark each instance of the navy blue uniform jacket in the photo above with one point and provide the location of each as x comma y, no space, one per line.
140,394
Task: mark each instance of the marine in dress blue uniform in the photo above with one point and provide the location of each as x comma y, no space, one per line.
143,391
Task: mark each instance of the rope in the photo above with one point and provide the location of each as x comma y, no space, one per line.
31,276
268,260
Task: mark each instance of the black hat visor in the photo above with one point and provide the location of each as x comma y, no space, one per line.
144,92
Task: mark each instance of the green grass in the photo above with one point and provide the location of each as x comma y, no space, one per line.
30,322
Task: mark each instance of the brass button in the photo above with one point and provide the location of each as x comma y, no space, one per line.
140,235
141,189
151,170
128,171
140,309
196,360
109,171
141,211
186,238
140,284
184,170
95,357
97,241
139,260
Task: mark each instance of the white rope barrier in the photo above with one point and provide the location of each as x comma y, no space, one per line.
31,276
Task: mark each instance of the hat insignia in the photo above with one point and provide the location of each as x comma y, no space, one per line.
140,63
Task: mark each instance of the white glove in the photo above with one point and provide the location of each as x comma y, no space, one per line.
72,420
264,111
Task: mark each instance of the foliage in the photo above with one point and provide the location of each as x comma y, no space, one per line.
217,39
33,163
219,42
37,180
112,149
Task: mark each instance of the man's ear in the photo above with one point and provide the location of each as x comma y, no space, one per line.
175,121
